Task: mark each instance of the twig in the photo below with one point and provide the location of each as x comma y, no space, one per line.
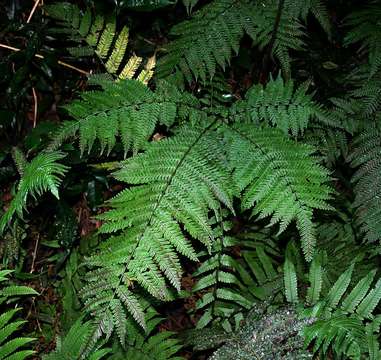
42,57
35,101
34,254
36,2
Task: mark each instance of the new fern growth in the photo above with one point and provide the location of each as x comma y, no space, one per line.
101,38
43,173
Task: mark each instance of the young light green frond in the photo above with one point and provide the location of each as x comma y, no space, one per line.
167,196
278,104
43,173
278,178
366,158
100,36
127,110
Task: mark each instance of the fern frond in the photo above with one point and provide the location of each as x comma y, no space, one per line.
70,346
101,38
12,347
189,179
231,284
366,30
290,281
44,173
207,40
365,157
211,37
278,104
146,346
342,326
315,280
279,178
317,8
126,109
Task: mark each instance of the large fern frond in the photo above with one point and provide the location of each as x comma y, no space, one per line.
101,38
213,34
366,158
126,109
44,173
278,178
189,179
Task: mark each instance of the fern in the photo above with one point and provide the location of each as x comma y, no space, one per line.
125,109
343,325
229,285
12,349
213,34
42,174
207,40
317,8
189,180
279,178
146,346
365,156
366,30
278,104
70,346
101,38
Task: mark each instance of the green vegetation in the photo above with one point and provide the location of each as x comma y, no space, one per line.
190,180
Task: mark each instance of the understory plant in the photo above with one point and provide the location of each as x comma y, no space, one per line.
233,170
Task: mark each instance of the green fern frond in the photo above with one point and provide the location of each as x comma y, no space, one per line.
207,40
366,30
189,179
343,326
278,104
12,347
317,8
290,281
279,178
231,284
44,173
212,36
315,280
126,109
70,346
365,157
146,346
101,38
